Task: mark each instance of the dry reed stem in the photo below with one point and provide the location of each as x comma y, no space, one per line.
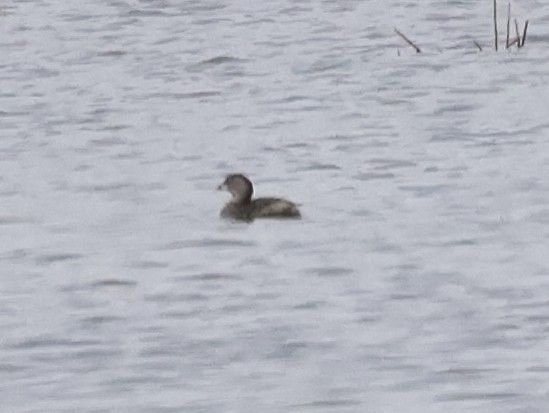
496,25
477,45
524,33
512,42
508,25
518,34
418,50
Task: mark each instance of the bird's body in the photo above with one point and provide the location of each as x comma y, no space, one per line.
242,207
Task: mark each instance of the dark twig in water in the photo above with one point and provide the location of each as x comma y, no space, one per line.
512,42
418,50
518,34
477,45
524,33
508,25
496,25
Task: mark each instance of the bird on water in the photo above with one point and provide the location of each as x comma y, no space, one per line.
242,207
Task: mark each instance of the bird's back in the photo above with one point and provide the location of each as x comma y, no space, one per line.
273,208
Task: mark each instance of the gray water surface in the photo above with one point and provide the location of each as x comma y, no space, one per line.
417,280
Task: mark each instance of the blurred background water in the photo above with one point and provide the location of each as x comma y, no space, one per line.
417,280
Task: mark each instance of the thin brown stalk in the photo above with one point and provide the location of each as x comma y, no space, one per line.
477,45
512,42
524,33
496,25
418,50
508,25
518,34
